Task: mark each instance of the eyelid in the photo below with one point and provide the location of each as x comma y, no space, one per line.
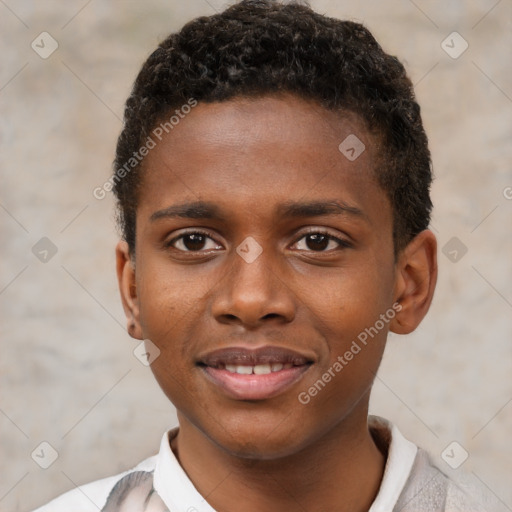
190,231
343,242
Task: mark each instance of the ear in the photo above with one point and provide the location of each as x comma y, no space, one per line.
127,286
415,281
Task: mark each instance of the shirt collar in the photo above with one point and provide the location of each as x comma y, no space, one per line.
181,495
399,462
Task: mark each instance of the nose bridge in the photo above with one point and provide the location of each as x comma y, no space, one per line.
252,288
253,271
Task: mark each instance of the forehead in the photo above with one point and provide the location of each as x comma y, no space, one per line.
259,152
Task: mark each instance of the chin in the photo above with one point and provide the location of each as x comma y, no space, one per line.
263,443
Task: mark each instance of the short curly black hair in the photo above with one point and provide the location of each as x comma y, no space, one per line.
264,47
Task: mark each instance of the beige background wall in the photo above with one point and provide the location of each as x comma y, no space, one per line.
68,374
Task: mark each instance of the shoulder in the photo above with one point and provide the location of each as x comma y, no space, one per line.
430,489
92,497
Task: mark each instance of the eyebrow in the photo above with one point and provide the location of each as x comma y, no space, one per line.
292,209
194,210
289,209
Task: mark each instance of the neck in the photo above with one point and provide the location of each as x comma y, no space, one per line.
341,471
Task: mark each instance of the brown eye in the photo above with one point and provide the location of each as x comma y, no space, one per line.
193,242
318,241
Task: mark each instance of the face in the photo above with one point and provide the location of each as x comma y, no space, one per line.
262,254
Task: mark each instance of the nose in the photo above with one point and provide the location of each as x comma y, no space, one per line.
254,293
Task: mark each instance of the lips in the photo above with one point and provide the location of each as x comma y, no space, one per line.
254,374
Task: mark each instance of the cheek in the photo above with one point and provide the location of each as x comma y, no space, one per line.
168,297
348,313
164,311
350,301
171,306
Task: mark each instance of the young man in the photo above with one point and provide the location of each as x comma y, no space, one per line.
273,182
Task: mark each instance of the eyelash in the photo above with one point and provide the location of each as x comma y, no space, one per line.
194,232
343,244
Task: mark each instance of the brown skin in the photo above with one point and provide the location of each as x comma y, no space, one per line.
247,157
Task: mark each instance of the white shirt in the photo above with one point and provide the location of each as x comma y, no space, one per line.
159,484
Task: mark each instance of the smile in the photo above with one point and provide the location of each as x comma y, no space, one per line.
258,374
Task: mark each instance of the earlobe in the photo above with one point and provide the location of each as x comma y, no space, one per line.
128,289
416,277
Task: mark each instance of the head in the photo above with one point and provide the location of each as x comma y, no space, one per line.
279,209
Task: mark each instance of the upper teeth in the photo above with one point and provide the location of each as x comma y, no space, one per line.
259,369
